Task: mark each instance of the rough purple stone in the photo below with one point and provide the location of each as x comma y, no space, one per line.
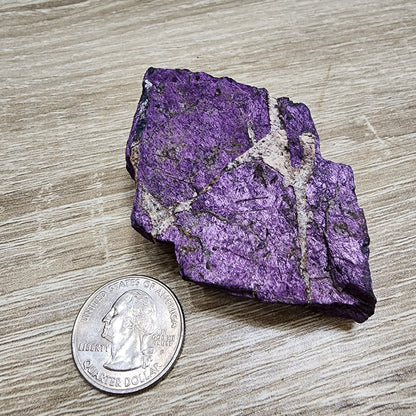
235,180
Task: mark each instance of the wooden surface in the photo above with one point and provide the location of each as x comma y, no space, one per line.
70,81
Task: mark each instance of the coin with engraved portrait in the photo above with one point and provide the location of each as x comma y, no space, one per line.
128,334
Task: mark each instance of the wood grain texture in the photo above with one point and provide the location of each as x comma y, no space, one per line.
70,78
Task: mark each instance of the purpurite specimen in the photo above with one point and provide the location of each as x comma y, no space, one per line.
235,180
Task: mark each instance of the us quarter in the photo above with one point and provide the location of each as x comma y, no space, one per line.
128,334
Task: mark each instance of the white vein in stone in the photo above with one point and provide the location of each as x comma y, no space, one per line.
273,150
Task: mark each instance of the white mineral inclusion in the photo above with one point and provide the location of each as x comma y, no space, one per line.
274,151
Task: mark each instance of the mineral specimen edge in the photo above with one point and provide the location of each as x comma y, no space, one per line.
235,180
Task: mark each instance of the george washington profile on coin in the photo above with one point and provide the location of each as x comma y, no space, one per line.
129,326
128,334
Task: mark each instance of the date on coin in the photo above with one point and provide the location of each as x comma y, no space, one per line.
128,334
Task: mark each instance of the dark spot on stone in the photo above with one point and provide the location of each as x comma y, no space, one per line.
274,179
141,124
341,227
352,214
260,175
365,249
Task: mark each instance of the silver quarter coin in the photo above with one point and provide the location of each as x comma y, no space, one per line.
128,334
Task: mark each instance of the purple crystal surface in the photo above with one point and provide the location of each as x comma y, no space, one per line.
235,180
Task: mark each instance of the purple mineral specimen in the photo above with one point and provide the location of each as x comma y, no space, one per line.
235,180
